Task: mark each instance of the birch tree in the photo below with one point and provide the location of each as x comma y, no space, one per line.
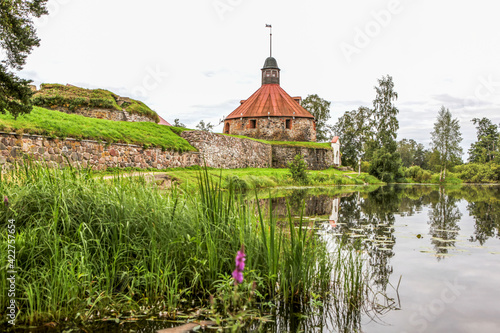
446,138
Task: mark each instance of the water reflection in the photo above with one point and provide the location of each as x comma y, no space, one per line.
444,217
419,224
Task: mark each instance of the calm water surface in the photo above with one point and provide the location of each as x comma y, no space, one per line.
441,244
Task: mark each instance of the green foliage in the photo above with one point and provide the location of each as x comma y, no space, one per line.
417,174
298,170
486,148
446,138
58,124
17,38
412,153
479,172
93,249
385,113
381,150
73,98
386,166
354,131
320,109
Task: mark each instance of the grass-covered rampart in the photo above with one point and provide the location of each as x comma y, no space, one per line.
57,124
72,98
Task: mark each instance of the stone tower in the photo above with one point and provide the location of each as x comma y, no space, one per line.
270,113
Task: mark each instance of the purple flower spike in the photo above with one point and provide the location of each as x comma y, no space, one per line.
240,265
6,201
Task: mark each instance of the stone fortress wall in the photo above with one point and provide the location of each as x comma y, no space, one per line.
214,150
274,128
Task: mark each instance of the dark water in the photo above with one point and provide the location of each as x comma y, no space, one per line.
441,245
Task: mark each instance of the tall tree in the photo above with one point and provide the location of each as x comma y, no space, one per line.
385,114
385,161
446,138
17,39
485,149
320,109
354,131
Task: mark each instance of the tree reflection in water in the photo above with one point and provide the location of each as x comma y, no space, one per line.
366,221
444,217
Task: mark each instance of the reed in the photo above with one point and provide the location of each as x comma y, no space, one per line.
89,248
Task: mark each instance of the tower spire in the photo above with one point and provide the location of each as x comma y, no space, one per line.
270,39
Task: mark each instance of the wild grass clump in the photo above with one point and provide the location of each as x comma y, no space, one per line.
88,248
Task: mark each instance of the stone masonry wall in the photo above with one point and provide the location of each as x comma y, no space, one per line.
108,114
302,129
217,150
222,151
87,152
316,158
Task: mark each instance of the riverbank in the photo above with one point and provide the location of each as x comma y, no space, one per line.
88,249
249,178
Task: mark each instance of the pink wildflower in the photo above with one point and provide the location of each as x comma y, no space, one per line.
240,265
6,201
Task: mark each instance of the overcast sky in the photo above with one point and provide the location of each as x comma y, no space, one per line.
196,59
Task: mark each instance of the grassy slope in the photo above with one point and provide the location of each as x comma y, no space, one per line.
58,124
53,95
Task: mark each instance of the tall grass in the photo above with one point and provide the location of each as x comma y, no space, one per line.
88,248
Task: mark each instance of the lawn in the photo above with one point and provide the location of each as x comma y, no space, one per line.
61,125
255,178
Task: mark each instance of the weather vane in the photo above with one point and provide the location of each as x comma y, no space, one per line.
270,39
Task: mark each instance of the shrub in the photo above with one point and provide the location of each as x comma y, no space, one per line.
417,174
298,169
478,173
365,166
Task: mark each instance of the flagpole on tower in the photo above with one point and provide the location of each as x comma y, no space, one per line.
270,39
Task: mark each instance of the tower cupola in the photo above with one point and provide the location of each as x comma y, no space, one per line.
270,72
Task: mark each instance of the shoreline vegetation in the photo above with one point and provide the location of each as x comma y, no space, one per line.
91,250
247,178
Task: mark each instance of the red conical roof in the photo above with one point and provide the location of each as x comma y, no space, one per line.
270,101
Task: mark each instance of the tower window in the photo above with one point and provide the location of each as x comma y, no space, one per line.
253,123
288,124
